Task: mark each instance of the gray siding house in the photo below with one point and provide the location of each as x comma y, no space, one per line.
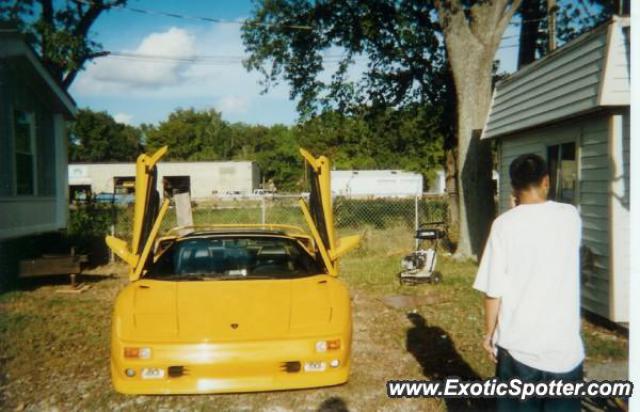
572,108
33,152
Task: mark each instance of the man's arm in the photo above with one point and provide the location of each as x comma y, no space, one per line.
492,279
491,307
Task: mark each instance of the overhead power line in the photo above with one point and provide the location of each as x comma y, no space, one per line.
217,20
517,23
197,59
198,18
216,60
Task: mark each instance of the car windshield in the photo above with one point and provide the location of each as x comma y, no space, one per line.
233,258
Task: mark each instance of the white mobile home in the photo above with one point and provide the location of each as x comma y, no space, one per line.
572,108
203,180
375,183
33,153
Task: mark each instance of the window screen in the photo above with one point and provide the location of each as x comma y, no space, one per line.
23,132
563,172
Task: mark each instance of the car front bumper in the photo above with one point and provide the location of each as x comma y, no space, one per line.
230,367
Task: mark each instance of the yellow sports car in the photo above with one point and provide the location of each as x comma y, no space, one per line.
231,308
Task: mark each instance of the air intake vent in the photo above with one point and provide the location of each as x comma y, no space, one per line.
291,367
176,371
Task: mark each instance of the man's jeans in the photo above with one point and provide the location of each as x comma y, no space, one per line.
509,368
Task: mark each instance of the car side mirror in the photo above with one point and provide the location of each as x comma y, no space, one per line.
346,244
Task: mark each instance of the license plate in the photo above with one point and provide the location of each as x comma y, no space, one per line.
152,373
315,366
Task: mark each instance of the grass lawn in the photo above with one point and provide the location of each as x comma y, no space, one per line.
54,348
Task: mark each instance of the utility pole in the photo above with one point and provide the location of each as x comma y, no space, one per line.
623,7
551,20
531,12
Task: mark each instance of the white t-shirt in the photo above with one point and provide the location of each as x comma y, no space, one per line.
531,262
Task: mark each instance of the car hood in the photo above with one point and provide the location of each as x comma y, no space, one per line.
228,310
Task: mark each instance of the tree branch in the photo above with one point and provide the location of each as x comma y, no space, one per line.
46,26
47,11
507,15
88,18
70,77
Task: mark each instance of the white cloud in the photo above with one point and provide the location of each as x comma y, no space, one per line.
124,72
123,118
158,77
221,82
232,104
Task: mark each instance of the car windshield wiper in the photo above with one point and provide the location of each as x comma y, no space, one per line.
224,277
189,277
252,277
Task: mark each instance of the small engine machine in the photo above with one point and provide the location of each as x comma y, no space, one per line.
420,266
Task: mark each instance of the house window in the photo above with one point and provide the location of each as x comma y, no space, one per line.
563,172
24,138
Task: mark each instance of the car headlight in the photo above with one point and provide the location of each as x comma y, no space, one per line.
137,353
327,345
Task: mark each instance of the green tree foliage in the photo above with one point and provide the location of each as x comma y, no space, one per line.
399,41
191,135
204,135
97,137
59,31
278,158
406,139
398,114
578,17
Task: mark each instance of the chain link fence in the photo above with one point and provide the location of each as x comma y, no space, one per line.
349,213
387,224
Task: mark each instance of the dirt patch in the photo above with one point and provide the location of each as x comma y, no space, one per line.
607,371
412,301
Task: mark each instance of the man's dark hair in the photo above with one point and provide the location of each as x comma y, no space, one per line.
527,170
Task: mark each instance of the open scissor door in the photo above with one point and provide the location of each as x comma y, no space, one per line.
318,213
147,216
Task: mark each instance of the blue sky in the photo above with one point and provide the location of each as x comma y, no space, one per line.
136,91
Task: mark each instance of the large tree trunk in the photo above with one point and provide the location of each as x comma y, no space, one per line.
475,165
450,160
472,34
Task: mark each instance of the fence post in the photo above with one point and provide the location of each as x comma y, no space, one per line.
416,217
112,231
184,214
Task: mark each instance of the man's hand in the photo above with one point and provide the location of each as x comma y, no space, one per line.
489,347
491,309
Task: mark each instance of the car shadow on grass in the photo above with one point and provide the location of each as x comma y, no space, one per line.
434,350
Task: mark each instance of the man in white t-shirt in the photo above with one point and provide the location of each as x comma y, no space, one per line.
530,273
